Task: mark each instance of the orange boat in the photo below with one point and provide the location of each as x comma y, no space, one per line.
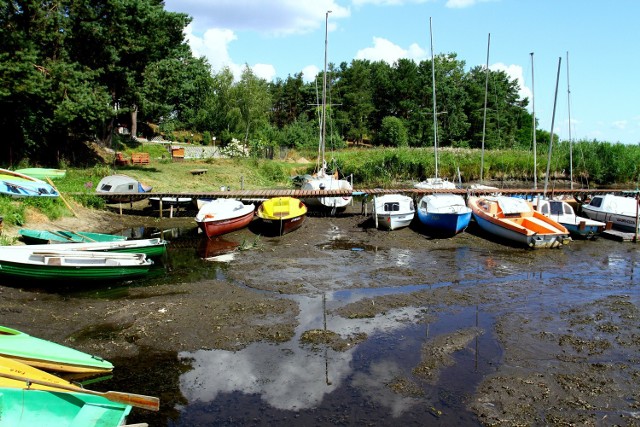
514,219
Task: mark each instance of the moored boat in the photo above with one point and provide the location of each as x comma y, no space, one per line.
35,237
281,215
48,355
51,265
154,247
562,212
221,216
393,211
621,211
445,214
122,188
15,184
515,220
43,173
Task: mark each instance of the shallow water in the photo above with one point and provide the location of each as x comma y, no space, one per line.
301,384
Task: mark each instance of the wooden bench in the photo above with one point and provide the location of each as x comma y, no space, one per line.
140,158
120,160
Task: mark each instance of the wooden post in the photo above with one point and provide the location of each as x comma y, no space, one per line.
160,206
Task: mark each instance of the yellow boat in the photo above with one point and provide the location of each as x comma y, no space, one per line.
280,215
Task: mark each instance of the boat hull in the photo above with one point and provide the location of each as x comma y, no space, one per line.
215,228
62,236
445,214
333,203
18,185
48,355
393,211
71,266
28,408
281,215
527,227
152,248
620,211
446,223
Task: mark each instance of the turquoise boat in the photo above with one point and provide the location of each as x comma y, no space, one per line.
71,266
28,408
48,355
30,236
15,184
152,248
43,173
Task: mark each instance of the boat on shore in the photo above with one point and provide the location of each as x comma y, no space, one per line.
393,211
562,212
515,220
48,355
43,173
445,214
621,211
32,397
152,248
15,184
281,215
65,266
39,237
122,188
221,216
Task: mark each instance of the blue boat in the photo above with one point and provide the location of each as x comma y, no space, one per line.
15,184
445,214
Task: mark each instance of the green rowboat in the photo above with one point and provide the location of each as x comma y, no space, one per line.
64,236
66,266
28,408
48,355
152,248
43,173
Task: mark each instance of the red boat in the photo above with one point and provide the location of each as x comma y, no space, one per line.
221,216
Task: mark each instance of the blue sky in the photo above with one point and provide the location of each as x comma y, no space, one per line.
277,38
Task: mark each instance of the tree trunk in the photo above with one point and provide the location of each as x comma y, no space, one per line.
134,121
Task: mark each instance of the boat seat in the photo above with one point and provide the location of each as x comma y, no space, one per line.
53,260
111,262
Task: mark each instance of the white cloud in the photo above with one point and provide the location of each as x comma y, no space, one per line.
384,50
273,18
459,4
387,2
620,124
310,72
264,71
514,72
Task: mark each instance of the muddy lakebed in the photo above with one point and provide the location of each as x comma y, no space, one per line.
338,323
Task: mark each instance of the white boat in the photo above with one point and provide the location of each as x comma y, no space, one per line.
562,212
514,219
117,184
621,211
153,247
322,180
221,216
393,211
444,213
434,184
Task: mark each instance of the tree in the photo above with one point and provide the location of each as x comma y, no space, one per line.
252,101
393,132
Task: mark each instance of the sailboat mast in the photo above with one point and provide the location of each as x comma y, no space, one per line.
553,118
484,119
570,140
324,91
533,113
433,84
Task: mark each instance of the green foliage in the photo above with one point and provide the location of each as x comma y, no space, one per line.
12,211
393,133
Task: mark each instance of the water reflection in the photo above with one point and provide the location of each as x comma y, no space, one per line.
298,377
